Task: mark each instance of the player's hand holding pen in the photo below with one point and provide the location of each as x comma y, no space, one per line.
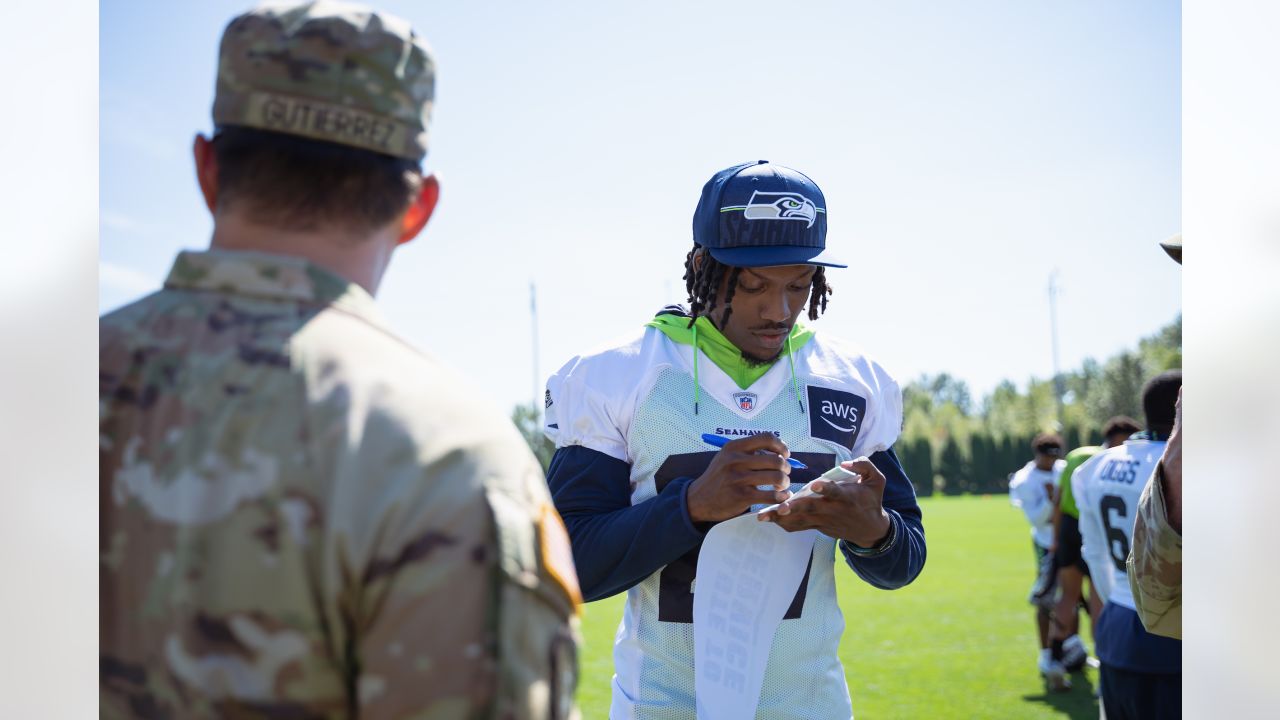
849,510
729,485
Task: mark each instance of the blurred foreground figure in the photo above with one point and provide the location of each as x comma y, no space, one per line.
1141,673
301,515
1155,562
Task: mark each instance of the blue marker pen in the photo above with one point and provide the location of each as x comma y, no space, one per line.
721,441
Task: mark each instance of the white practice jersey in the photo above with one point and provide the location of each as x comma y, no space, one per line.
1027,493
636,403
1107,488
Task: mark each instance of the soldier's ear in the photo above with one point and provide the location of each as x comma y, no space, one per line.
419,212
206,170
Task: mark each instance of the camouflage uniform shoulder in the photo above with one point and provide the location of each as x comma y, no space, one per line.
351,364
338,351
373,466
1155,563
128,318
473,453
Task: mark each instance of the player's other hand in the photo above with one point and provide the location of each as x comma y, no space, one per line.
1172,459
1171,469
728,487
849,510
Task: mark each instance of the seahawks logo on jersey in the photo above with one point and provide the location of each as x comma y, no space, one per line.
780,206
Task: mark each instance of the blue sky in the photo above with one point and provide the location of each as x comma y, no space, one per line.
966,150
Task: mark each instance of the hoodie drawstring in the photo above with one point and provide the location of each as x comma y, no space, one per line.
795,385
697,387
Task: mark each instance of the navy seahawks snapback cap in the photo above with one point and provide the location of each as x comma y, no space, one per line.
759,214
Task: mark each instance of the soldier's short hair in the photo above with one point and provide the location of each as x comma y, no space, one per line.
296,183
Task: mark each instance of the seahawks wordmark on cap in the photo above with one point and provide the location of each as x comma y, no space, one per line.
328,70
759,214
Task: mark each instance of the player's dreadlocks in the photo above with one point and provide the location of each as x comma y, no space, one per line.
703,283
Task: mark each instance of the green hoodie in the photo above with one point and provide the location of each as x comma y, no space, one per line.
717,347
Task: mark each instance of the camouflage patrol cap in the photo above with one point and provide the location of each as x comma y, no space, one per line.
328,70
1173,246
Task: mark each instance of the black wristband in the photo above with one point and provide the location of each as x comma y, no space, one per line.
880,548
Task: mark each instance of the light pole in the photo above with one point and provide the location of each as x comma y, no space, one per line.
1058,390
537,381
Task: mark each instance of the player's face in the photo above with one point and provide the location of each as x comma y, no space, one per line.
1115,439
1045,461
765,307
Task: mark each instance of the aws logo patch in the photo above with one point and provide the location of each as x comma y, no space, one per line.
835,415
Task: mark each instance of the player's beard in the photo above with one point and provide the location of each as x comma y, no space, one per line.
757,361
753,360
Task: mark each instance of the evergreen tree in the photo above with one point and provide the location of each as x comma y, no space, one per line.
951,466
917,463
1011,455
980,466
1072,438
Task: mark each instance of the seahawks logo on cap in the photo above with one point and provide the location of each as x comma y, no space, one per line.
778,206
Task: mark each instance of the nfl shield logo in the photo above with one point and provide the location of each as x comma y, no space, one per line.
746,401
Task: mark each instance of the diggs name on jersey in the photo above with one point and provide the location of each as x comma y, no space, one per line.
1120,470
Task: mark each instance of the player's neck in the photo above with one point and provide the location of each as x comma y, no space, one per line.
359,258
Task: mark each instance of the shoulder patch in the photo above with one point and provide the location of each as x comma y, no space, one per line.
835,415
557,554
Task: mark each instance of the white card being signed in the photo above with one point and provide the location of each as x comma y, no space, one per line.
835,474
748,572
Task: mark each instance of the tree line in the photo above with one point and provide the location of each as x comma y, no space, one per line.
953,445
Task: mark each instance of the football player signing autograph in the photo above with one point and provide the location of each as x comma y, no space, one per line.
639,489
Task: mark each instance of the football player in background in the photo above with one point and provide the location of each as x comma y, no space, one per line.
1066,645
1141,673
1034,490
639,490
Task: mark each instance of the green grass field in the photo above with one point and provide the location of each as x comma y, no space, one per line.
959,642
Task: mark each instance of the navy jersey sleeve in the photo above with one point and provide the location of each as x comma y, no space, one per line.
617,544
899,563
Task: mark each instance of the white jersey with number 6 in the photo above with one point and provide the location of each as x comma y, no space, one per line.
1107,488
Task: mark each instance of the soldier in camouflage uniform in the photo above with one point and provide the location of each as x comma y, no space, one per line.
302,516
1155,561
